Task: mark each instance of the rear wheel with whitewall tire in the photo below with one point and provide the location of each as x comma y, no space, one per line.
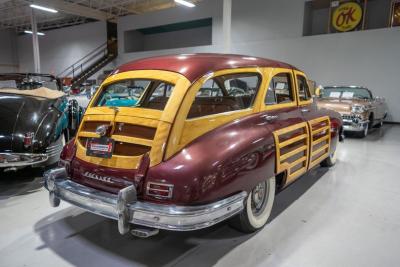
257,207
332,158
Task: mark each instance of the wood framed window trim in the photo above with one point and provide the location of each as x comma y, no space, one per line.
270,73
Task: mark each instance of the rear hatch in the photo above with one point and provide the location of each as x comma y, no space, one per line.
136,132
135,108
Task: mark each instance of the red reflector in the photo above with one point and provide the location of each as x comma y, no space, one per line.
159,190
28,139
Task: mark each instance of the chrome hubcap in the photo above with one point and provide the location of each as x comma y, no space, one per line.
258,198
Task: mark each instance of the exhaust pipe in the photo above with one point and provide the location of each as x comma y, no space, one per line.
144,232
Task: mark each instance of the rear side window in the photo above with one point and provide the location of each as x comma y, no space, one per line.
225,93
304,90
280,90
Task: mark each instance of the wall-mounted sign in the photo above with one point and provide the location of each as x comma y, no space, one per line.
395,14
347,16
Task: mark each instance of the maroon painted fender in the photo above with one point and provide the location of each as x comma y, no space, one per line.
224,161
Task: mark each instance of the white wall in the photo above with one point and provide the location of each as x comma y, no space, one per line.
62,47
8,51
367,58
265,28
273,29
256,20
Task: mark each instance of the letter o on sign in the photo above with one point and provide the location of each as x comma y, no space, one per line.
347,16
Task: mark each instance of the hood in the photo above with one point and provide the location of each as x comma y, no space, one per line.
20,114
343,106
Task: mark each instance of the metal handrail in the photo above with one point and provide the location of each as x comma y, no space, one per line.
78,65
75,71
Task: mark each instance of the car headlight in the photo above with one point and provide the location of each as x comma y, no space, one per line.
358,109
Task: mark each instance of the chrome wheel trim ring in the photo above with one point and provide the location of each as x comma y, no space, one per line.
262,217
333,155
259,197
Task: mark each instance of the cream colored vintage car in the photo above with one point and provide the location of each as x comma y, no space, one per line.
360,110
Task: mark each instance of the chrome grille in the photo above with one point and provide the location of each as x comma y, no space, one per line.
348,117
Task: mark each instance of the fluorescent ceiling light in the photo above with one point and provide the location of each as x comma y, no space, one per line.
44,8
30,32
185,3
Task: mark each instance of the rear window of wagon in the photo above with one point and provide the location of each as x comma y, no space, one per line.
146,93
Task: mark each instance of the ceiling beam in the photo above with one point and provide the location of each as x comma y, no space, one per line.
153,5
76,9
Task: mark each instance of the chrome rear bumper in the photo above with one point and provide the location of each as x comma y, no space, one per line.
125,208
21,159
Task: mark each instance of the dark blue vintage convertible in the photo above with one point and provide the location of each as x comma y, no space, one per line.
36,120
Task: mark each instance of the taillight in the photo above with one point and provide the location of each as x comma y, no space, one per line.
334,126
67,154
159,190
28,139
69,150
66,164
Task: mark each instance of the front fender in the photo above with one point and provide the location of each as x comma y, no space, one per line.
229,159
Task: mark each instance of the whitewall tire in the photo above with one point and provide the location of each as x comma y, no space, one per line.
332,158
257,209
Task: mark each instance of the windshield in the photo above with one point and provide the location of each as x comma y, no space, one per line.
146,93
346,93
27,82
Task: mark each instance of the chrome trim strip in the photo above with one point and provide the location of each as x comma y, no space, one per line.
126,209
29,159
54,146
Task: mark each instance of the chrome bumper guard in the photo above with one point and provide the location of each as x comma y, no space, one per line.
351,126
125,207
21,159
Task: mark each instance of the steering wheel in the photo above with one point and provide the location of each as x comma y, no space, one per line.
237,92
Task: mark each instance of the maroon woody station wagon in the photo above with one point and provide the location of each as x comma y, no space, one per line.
184,142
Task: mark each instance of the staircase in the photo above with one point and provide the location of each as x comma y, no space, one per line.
85,67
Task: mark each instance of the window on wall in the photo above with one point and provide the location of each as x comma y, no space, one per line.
225,93
280,90
176,35
304,90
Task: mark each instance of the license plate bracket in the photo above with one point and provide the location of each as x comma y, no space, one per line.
100,147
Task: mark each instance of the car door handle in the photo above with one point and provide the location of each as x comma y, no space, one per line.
305,110
271,117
